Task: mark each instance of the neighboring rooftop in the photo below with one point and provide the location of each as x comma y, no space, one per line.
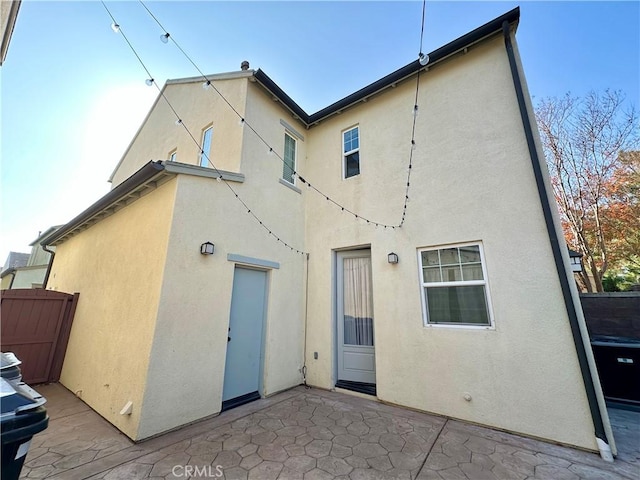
44,234
16,260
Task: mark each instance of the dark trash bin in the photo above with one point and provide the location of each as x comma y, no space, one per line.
22,416
618,362
10,367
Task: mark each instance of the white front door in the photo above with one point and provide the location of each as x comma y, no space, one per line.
354,295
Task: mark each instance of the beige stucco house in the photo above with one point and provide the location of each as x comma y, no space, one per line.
14,260
32,272
473,317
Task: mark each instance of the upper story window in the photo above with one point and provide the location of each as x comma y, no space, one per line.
289,165
351,152
173,156
454,286
206,147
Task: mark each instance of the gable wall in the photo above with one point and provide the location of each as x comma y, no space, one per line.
189,345
471,181
199,109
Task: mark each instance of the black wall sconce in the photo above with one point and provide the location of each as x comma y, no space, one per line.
392,257
207,248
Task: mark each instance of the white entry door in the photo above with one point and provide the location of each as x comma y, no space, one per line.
355,343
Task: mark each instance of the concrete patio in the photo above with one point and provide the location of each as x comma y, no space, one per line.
312,434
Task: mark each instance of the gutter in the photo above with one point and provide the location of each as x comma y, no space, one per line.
10,23
586,362
460,44
12,272
147,172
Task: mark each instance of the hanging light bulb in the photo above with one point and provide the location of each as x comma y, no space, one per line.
178,121
413,144
270,152
241,122
115,27
164,38
149,82
206,85
219,178
423,58
415,110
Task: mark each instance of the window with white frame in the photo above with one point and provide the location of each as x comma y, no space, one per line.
173,156
351,152
205,153
289,165
454,286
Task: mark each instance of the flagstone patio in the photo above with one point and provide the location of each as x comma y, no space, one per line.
310,434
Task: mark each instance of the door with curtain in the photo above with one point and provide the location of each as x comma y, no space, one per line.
354,295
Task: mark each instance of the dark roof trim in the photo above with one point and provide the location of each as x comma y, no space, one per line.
12,16
491,28
143,181
143,175
44,234
278,93
7,272
556,243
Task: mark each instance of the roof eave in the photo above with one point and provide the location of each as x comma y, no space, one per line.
281,96
12,16
112,199
489,29
7,272
44,234
212,77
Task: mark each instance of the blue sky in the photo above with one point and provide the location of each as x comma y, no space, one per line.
73,94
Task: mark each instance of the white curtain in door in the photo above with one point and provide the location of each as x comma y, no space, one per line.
358,302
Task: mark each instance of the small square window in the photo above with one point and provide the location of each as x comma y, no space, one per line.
173,156
454,287
351,152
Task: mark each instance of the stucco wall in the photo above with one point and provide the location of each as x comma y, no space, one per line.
26,277
471,181
187,360
38,256
117,266
198,109
5,282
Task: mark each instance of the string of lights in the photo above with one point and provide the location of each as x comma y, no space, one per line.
150,81
423,59
166,36
208,84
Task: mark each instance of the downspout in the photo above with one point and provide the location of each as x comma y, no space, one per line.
13,277
586,362
46,275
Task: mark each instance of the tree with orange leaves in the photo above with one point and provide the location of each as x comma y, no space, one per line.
592,145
